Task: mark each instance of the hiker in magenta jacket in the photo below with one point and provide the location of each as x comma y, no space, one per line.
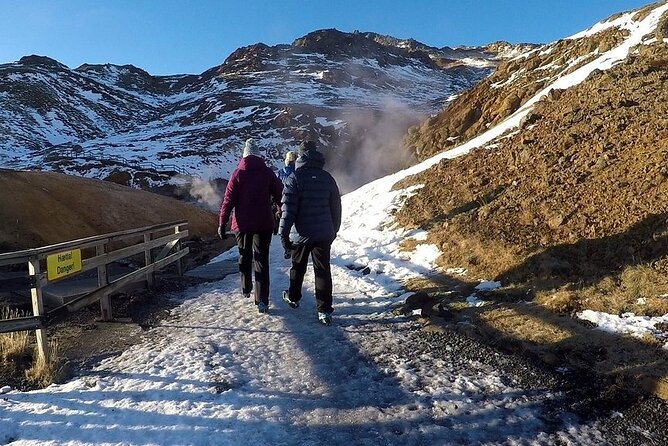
252,191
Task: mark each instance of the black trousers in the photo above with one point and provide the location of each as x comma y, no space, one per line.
254,252
320,253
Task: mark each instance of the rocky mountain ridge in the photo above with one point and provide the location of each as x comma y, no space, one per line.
332,86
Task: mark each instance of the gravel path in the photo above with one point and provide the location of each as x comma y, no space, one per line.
622,419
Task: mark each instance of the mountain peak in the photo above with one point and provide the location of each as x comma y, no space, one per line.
316,86
130,69
333,41
34,59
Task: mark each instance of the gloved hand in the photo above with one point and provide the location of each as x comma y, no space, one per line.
221,232
277,220
287,244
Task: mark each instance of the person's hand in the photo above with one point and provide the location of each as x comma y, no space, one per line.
277,221
221,232
287,244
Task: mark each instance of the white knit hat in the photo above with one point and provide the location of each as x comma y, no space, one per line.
250,148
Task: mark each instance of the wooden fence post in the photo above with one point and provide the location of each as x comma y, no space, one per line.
38,307
103,280
179,262
148,259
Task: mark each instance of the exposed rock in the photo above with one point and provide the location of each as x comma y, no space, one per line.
416,301
42,60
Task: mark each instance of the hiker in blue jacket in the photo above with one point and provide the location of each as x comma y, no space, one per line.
284,172
310,220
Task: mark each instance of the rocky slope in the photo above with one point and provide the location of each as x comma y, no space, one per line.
571,203
354,92
556,186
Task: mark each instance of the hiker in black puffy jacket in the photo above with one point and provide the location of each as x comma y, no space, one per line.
310,220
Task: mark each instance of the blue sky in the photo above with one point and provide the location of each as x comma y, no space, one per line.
191,36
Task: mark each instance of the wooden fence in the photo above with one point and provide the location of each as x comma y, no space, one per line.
160,245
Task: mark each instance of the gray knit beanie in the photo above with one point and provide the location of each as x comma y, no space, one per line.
250,148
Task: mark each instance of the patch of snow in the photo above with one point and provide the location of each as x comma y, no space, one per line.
488,285
456,271
627,323
625,21
480,63
474,301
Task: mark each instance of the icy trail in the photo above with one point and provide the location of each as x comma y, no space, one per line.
217,372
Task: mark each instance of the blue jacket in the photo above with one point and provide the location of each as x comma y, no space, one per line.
285,172
311,209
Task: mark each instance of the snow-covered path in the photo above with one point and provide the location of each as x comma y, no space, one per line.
218,373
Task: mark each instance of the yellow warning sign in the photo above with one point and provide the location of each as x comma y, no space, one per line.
63,264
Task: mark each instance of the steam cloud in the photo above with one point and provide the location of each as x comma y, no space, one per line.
206,193
375,148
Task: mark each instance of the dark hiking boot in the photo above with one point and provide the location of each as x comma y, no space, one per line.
262,307
286,297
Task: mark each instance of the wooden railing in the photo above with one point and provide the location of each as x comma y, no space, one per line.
160,245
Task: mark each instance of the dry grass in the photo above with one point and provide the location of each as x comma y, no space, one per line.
15,352
560,301
409,245
638,289
481,258
13,344
42,371
527,324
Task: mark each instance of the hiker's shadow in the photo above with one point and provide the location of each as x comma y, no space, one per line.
587,261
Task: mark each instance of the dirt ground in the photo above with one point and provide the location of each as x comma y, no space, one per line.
512,324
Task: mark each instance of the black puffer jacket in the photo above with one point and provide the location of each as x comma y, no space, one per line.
311,202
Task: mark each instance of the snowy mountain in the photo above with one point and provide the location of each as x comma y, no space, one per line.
567,142
353,92
217,372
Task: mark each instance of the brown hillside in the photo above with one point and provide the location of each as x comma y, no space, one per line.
41,208
569,212
578,196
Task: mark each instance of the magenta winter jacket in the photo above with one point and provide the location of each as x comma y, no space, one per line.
252,190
